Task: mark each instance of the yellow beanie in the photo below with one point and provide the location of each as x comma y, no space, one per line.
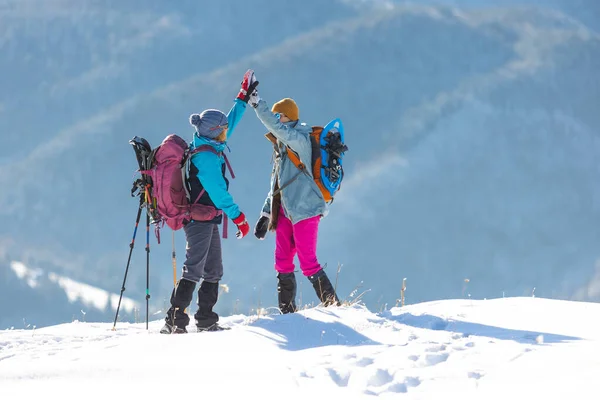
288,107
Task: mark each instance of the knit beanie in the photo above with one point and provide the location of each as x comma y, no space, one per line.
288,107
210,123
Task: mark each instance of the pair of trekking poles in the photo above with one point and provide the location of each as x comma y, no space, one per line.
143,153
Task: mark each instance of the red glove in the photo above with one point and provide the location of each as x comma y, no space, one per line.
242,224
249,84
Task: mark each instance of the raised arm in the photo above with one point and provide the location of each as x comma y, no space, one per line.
249,84
297,138
235,115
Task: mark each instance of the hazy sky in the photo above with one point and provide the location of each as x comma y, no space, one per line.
472,128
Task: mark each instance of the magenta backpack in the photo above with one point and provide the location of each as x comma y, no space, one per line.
171,203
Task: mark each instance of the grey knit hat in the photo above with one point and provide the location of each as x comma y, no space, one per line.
210,123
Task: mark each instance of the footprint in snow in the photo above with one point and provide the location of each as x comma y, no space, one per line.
475,375
398,388
304,374
436,348
434,359
412,381
402,387
337,378
363,362
463,347
380,377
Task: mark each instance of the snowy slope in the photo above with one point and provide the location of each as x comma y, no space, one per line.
517,348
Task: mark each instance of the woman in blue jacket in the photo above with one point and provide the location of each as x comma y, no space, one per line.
209,186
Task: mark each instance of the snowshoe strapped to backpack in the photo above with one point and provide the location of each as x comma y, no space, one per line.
328,150
164,172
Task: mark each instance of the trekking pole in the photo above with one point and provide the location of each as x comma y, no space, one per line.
174,261
147,263
174,257
131,245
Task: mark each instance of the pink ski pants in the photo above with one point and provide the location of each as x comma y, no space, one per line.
299,238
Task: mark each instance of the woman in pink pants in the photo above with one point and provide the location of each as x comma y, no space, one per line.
294,205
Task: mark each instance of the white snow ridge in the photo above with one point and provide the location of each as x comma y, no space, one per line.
75,291
512,348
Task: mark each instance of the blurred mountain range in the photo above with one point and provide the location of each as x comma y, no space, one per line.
473,129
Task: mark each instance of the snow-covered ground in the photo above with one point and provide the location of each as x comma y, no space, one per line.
511,348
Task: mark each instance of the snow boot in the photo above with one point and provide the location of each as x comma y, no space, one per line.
324,289
207,298
286,292
177,319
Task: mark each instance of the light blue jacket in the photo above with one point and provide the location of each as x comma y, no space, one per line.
302,198
210,165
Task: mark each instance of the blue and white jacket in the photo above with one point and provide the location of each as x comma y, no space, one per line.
302,198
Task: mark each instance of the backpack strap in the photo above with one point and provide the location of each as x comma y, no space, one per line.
209,148
271,138
225,221
288,183
204,147
293,158
229,166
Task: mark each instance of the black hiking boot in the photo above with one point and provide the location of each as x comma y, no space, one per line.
324,289
177,319
207,298
286,292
